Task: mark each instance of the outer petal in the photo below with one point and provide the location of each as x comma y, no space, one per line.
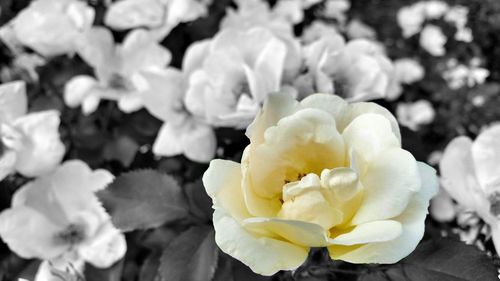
458,175
13,101
370,134
277,106
195,55
222,181
334,105
370,232
162,92
141,51
412,220
263,255
297,232
360,108
486,156
391,180
195,139
42,149
127,14
96,47
77,89
30,234
106,248
7,163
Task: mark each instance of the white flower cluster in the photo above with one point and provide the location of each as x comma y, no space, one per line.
414,19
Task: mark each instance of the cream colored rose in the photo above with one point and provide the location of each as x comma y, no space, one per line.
320,173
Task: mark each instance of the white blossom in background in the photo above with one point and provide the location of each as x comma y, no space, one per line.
30,143
317,30
181,133
408,70
357,29
470,173
357,70
231,75
49,27
458,75
457,15
257,13
410,19
413,115
336,9
117,67
432,39
57,218
158,16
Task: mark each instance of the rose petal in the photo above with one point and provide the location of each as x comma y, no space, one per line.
390,181
13,101
222,181
263,255
42,149
412,220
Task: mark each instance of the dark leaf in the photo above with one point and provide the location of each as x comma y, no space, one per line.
143,199
113,273
444,260
200,203
190,257
224,270
149,269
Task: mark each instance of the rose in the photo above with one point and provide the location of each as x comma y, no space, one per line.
320,173
357,70
230,75
159,16
119,69
58,218
470,173
30,142
51,27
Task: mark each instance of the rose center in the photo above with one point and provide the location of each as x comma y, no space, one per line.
73,234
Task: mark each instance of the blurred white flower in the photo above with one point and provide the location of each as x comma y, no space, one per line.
336,9
458,15
58,218
230,75
442,207
257,13
434,9
470,173
458,75
408,70
357,70
413,115
410,19
30,142
117,69
50,27
317,30
158,16
182,133
432,39
358,29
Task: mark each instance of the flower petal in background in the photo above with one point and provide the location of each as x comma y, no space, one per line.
51,27
58,218
414,115
432,39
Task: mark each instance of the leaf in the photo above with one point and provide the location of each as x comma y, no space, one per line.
143,199
224,270
113,273
200,203
190,257
149,268
441,260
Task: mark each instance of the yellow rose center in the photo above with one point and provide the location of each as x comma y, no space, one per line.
328,200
